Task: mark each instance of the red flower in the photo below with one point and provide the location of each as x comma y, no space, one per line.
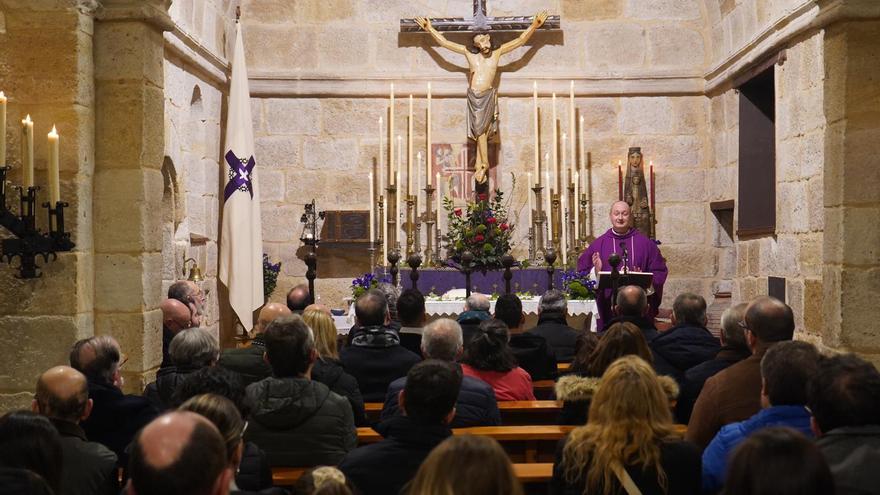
503,226
458,212
483,196
479,238
491,220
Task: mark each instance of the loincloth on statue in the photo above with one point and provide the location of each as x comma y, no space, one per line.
482,112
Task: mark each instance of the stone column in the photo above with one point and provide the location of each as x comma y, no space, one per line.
45,70
129,144
851,251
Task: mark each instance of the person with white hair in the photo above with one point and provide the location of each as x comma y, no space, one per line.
190,350
476,311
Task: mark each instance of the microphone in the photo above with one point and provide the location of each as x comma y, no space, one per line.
614,260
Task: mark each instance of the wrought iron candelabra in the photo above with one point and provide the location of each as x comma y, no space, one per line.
309,237
29,241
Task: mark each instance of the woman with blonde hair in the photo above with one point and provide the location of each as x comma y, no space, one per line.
628,445
328,369
466,465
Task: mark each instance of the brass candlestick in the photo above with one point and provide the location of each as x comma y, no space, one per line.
430,220
410,224
537,228
380,235
392,218
556,219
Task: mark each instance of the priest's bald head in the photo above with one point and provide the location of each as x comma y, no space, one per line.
62,393
621,217
179,453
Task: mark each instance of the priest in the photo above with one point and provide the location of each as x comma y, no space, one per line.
642,256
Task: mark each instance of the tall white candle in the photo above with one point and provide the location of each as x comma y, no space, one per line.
439,192
418,189
428,152
391,139
583,157
381,171
563,237
556,147
372,209
576,204
531,199
537,131
547,204
397,211
396,175
409,149
564,185
571,131
54,179
27,152
2,129
387,206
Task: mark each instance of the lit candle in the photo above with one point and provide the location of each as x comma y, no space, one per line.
397,210
27,152
54,179
564,185
372,210
386,207
562,238
2,128
547,202
409,149
572,131
537,131
531,199
381,172
391,139
576,204
555,146
428,152
396,175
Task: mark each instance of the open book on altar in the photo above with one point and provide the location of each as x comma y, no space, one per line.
642,279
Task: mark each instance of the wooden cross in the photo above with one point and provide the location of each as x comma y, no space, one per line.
480,23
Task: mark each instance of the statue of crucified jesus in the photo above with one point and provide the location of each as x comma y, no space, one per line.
482,97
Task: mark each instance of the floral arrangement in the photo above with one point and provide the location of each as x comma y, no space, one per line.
577,284
481,228
364,283
270,276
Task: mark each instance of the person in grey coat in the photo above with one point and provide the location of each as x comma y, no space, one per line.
295,420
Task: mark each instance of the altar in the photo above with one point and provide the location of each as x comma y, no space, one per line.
438,281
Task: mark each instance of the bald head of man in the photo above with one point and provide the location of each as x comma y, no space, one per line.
768,320
268,314
631,301
179,453
62,393
298,298
176,316
620,215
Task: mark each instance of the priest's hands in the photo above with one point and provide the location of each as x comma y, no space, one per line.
597,262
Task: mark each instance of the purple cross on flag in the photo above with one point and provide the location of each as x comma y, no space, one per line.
241,237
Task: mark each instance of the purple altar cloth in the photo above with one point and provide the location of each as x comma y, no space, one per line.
441,280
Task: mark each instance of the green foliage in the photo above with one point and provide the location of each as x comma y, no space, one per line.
481,227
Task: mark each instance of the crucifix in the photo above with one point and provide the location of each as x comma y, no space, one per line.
482,60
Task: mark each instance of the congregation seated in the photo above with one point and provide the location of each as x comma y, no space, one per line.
787,370
428,405
466,465
115,417
176,316
225,416
191,350
688,343
89,468
733,350
533,352
411,311
296,420
628,439
298,298
248,362
475,311
577,389
780,461
583,349
375,357
845,401
328,369
30,442
179,453
488,357
553,325
631,306
475,405
253,471
19,481
734,394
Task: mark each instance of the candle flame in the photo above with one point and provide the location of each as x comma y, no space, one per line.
619,162
2,96
27,120
53,132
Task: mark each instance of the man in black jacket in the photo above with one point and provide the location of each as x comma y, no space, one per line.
375,357
688,343
249,362
553,326
631,306
428,404
115,417
411,312
89,468
191,350
734,349
533,353
476,404
297,421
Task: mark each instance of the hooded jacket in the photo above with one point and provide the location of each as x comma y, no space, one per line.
681,348
247,362
330,373
560,337
576,392
375,358
300,422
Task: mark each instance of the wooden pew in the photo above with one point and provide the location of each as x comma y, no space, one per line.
527,412
536,473
543,389
563,367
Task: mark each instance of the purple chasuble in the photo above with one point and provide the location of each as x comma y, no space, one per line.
644,256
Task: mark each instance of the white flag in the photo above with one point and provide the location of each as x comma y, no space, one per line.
241,237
